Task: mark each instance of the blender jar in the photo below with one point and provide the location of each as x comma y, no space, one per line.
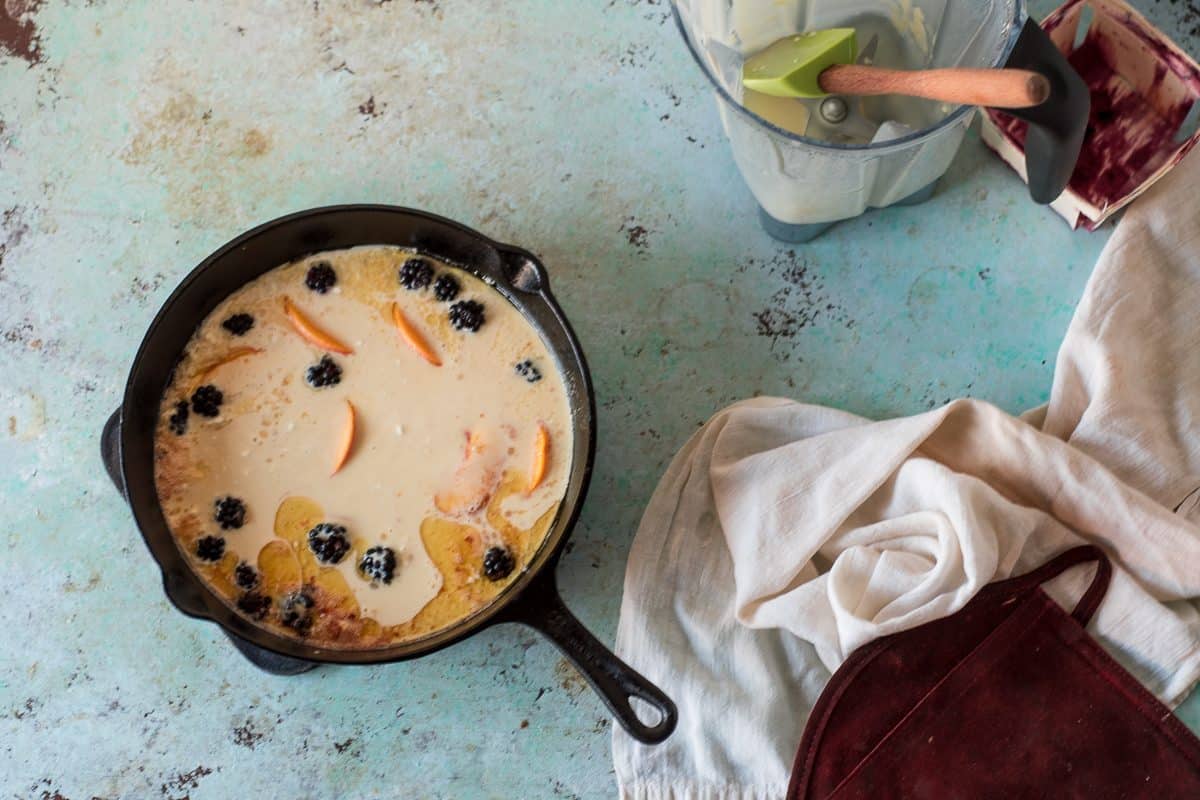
811,163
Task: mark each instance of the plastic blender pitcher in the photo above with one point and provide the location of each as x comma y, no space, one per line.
868,152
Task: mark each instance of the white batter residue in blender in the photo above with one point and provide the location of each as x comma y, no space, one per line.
909,20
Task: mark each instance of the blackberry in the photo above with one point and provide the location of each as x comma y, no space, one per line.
206,401
238,324
498,563
245,576
446,288
329,542
528,371
325,372
466,315
229,512
416,273
210,548
321,277
295,611
254,605
378,564
177,422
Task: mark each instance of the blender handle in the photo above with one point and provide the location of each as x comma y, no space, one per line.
997,88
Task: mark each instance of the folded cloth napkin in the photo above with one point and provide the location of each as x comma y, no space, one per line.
783,536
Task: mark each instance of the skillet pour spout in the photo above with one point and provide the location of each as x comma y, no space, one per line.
533,599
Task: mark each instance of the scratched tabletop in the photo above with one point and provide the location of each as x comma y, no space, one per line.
137,136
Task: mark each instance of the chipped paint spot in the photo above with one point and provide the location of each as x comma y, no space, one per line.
93,582
182,781
246,736
24,334
14,226
12,229
19,34
26,709
191,142
27,417
777,323
637,234
800,301
569,678
563,791
49,792
636,56
367,108
255,143
143,289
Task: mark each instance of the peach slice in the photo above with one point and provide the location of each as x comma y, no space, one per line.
463,500
311,331
415,339
474,481
347,442
233,355
541,458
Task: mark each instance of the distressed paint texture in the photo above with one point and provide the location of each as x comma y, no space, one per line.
138,135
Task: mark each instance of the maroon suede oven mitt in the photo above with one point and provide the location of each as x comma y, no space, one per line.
1007,698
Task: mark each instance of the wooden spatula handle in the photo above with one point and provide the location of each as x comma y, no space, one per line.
999,88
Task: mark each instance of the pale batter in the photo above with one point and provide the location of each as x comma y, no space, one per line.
363,447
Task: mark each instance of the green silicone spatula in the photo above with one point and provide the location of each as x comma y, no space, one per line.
818,63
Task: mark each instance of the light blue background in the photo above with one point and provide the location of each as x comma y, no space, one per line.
155,130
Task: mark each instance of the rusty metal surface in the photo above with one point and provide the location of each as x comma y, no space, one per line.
138,135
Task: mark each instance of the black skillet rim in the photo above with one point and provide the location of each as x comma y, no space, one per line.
178,576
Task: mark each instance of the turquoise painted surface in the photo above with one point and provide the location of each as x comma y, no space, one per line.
145,134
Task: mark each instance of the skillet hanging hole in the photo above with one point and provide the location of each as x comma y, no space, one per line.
523,272
648,714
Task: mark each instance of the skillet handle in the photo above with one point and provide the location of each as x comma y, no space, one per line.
110,451
541,607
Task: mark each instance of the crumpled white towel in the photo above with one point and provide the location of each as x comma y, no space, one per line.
783,536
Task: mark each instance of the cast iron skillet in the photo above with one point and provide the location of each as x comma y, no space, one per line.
127,445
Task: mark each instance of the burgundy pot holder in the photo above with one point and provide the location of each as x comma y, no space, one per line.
1007,698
